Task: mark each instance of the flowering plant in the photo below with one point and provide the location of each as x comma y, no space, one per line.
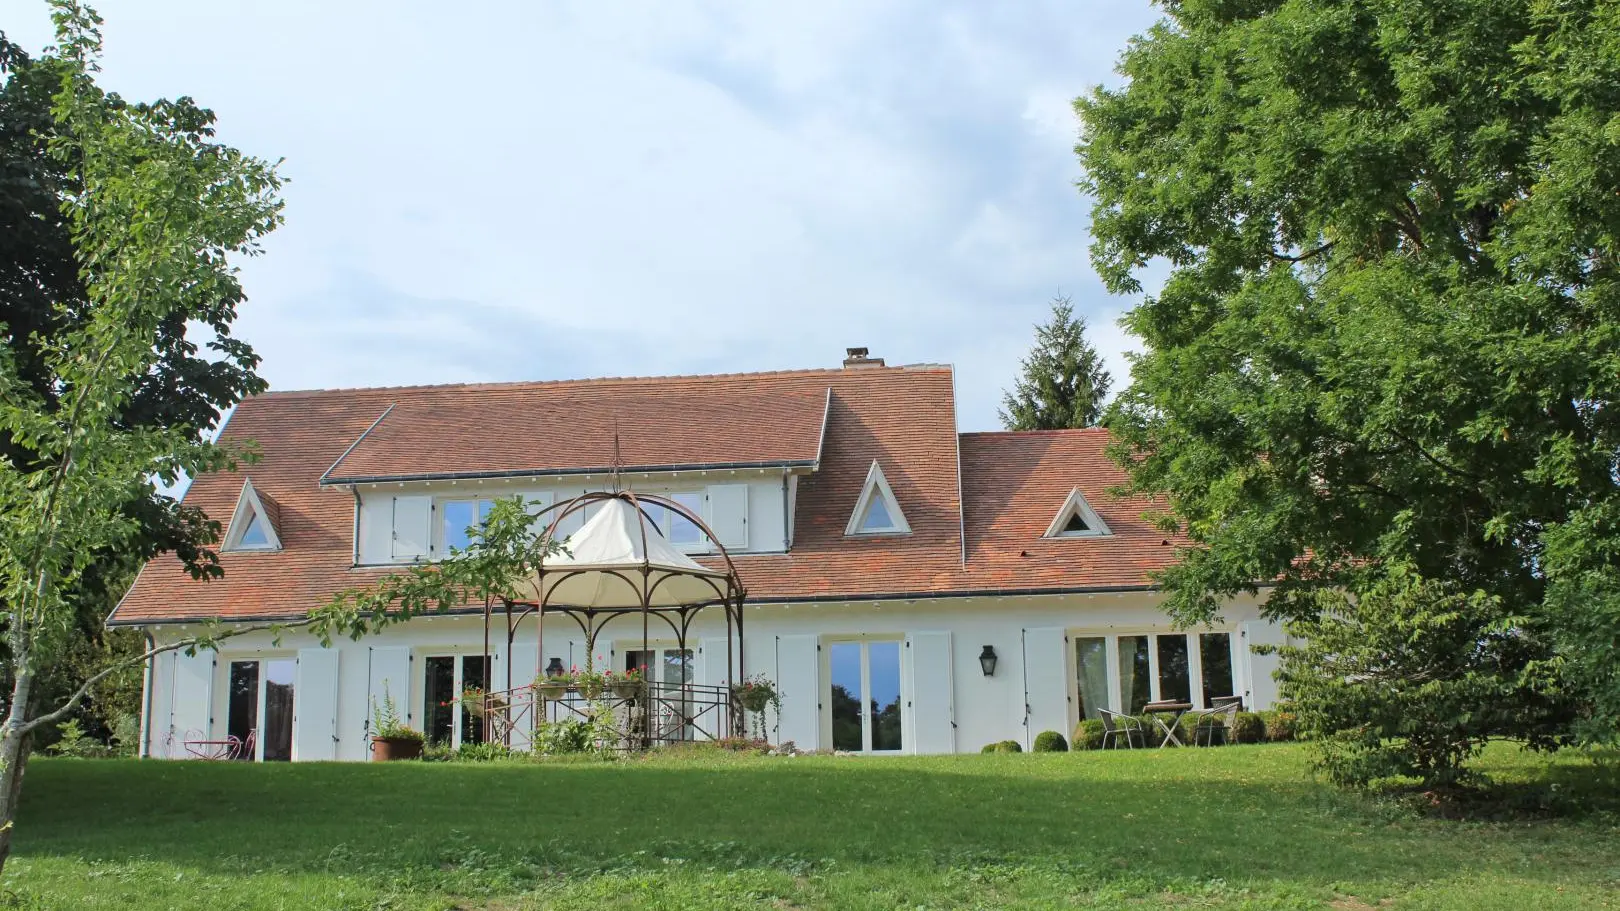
755,694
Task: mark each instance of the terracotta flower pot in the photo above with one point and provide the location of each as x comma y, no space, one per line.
389,749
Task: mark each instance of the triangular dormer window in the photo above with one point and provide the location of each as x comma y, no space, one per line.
1077,519
253,525
877,512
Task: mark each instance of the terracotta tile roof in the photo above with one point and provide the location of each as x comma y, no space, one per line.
1011,485
758,419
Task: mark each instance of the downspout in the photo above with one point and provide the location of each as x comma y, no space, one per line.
355,560
145,750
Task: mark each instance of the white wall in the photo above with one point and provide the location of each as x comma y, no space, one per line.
766,520
985,709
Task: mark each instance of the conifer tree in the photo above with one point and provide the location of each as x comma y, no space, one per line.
1063,382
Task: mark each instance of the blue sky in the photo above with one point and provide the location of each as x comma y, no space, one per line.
504,191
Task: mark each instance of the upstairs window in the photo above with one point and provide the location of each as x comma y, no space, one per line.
676,528
253,525
458,521
877,512
1077,519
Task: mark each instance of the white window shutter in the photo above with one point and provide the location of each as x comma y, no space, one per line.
390,675
728,515
413,527
1046,691
712,671
798,680
933,711
193,707
315,731
1261,684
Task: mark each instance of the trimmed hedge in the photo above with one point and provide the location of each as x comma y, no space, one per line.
1088,734
1050,742
1248,727
1009,746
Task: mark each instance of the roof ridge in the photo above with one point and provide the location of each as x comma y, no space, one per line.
1014,433
606,380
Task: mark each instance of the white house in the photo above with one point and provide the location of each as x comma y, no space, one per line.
883,553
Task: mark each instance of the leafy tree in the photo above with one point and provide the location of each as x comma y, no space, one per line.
1063,383
42,295
153,211
1387,348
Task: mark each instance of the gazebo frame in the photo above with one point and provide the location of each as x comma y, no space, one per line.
642,589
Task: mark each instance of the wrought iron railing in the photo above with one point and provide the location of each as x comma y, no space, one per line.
641,715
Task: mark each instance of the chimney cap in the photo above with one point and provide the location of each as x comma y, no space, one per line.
857,357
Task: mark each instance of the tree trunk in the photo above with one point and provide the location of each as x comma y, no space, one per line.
13,758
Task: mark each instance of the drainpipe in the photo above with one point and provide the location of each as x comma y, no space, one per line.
355,560
146,699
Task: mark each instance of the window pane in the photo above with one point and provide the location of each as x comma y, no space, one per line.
439,699
278,709
883,701
474,672
255,535
242,714
1216,650
1091,667
681,529
845,661
1135,689
1174,682
877,515
458,517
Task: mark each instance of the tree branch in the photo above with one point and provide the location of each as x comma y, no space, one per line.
1310,254
78,695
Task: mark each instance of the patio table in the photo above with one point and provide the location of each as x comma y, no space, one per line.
213,749
1173,709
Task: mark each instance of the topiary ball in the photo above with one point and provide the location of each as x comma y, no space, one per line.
1009,746
1088,734
1248,727
1050,742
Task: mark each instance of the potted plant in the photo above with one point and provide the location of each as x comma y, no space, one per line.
552,688
629,684
392,739
589,683
754,695
475,701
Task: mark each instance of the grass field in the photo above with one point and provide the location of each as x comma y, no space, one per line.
1238,827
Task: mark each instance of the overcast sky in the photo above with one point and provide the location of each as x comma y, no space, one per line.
508,190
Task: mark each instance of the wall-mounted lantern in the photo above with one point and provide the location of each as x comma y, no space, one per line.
555,668
987,661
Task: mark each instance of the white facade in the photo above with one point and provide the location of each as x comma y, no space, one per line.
945,702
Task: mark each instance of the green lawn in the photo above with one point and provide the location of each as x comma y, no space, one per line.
1238,827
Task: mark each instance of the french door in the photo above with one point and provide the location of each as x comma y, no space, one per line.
445,720
672,706
260,708
864,693
1125,672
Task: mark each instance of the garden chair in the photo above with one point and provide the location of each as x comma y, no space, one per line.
1116,726
1218,720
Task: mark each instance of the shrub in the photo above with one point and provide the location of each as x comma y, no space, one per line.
988,748
743,745
571,735
1281,726
1088,734
77,744
482,752
1009,746
1050,742
1248,727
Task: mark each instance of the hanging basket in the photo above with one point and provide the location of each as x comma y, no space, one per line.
552,690
627,689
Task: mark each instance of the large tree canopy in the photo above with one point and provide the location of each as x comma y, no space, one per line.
1389,335
42,299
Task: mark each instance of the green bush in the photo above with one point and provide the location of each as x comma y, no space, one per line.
76,743
1009,746
988,748
1088,734
1050,742
482,752
1248,727
1281,726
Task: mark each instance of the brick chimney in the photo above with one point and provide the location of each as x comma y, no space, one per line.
856,357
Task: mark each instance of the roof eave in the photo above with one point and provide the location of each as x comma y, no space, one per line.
565,472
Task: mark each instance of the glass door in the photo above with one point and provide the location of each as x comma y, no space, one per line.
259,708
445,720
672,702
865,696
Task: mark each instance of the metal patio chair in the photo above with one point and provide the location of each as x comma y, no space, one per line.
1116,726
1218,720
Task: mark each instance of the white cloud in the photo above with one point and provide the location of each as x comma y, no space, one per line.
507,190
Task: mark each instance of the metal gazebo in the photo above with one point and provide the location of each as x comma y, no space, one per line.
620,564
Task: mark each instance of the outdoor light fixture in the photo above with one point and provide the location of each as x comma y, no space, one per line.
555,668
987,661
